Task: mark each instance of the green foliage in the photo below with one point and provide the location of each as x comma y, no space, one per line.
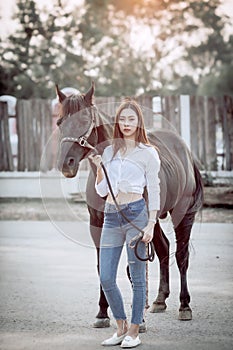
219,84
34,55
189,51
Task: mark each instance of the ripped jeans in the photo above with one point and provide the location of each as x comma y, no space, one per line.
116,231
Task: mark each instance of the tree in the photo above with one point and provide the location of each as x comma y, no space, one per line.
219,84
100,41
112,58
189,44
191,36
213,50
212,53
36,52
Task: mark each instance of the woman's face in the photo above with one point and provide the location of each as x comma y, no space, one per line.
128,122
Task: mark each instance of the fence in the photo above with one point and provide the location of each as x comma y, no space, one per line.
210,132
211,128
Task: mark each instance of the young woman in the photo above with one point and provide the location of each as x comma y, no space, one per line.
131,163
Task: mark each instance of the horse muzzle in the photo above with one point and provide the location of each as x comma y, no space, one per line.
69,168
69,174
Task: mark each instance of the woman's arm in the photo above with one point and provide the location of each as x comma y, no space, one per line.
153,189
152,179
152,216
100,183
99,175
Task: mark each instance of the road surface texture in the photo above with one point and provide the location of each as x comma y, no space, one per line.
49,290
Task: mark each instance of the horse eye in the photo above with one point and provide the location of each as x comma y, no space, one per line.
59,121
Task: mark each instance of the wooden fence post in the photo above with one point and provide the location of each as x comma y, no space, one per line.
201,113
6,159
171,111
228,130
194,128
34,125
185,119
211,135
147,109
21,119
43,131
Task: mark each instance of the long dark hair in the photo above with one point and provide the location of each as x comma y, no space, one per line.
141,136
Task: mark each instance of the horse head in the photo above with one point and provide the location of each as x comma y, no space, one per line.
78,129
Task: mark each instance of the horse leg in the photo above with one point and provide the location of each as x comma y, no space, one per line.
161,244
183,231
102,318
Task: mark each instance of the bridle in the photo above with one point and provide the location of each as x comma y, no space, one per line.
83,139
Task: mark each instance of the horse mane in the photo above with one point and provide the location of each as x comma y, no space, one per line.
71,105
104,130
75,103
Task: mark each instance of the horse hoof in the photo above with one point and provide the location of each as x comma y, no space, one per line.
142,327
158,307
185,315
102,323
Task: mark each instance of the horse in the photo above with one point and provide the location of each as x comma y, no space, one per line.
82,129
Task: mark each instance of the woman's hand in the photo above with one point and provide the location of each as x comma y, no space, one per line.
148,232
149,229
96,159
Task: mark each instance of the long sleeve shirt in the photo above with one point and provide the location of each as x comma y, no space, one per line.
130,174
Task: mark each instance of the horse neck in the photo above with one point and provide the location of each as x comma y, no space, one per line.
104,131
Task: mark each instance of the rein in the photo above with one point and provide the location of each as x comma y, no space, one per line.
83,142
137,238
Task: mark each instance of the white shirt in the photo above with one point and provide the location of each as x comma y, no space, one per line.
132,173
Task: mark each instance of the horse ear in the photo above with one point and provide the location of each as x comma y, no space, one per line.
90,93
60,94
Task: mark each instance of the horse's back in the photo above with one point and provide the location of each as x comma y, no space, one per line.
177,176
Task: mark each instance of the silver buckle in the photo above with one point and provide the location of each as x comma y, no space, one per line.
82,141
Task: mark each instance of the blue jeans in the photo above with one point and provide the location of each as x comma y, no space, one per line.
116,231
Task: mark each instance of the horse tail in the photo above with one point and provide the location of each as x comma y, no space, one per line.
198,194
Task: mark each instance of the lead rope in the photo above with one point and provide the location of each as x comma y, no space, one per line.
150,252
150,246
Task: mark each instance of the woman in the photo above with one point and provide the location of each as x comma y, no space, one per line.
131,163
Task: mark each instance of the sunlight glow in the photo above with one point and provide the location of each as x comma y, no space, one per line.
142,38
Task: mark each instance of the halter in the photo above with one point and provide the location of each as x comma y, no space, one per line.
82,140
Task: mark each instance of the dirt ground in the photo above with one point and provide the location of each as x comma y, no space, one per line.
49,285
35,209
49,291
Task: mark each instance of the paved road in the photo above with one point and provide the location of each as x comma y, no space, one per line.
49,291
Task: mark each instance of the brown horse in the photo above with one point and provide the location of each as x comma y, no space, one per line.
82,128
